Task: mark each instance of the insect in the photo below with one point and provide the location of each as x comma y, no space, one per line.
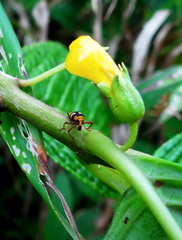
77,119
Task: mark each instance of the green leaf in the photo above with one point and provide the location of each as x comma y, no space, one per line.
166,178
66,158
19,147
134,221
171,150
20,137
11,53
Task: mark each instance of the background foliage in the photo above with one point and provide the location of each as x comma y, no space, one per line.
120,25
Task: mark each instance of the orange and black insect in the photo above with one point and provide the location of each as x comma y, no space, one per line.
77,120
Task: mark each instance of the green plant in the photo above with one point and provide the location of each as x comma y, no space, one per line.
150,176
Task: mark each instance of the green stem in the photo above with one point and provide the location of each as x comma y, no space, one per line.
41,77
117,159
132,137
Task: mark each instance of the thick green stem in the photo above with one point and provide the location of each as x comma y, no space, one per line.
117,159
132,137
41,77
90,146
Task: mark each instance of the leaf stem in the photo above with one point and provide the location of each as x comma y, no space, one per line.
132,137
41,77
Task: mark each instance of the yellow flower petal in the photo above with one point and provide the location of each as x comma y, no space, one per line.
88,59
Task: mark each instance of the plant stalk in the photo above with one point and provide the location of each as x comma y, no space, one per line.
111,154
132,137
41,77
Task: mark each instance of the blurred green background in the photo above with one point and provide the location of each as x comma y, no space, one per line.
146,36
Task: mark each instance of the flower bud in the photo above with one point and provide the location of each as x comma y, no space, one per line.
125,101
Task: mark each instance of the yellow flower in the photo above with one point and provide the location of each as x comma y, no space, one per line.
88,59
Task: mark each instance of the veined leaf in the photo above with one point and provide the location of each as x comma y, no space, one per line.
166,178
171,150
134,221
62,155
19,136
28,163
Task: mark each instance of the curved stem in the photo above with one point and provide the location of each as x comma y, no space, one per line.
41,77
125,165
132,137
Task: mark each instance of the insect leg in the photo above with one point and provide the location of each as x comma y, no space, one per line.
70,130
65,124
91,123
